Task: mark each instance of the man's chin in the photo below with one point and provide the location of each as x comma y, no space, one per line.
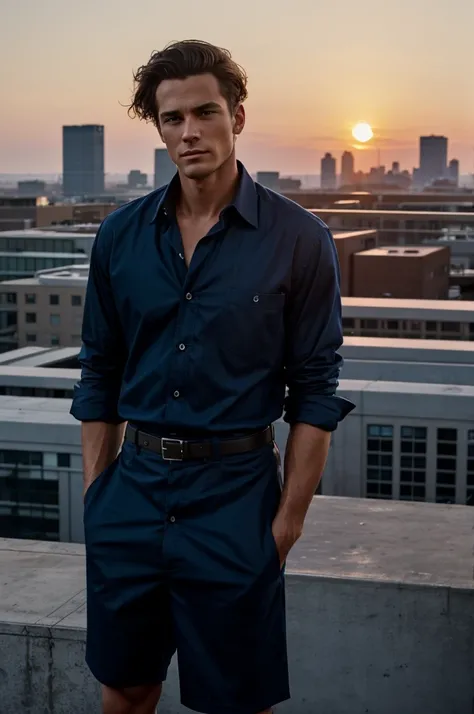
197,171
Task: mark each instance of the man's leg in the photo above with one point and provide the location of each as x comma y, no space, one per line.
135,700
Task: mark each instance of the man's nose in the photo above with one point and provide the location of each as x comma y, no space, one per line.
190,129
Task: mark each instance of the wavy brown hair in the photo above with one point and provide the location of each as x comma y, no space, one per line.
185,59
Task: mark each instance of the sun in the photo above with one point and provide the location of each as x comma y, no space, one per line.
362,132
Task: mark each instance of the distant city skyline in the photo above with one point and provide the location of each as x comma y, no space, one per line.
315,71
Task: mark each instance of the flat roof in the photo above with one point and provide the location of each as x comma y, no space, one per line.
401,251
454,216
340,235
391,308
410,345
37,356
43,233
423,544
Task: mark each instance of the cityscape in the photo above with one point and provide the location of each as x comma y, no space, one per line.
374,134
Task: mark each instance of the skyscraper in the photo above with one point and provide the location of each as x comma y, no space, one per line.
453,171
433,158
328,172
165,169
83,160
347,169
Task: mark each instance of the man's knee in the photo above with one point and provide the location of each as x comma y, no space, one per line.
131,699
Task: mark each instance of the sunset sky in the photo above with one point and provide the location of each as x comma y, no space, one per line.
315,69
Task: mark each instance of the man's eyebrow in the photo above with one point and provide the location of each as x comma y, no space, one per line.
199,108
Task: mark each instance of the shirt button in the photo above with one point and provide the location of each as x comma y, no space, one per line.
189,296
256,298
176,394
182,347
172,519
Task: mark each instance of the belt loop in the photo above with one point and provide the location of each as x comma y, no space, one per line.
135,439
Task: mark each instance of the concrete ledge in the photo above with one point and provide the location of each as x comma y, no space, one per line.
380,616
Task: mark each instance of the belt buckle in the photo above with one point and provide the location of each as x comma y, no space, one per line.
170,445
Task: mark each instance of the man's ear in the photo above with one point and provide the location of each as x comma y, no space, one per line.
239,119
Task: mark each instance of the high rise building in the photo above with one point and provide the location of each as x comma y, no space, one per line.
328,172
165,169
453,171
83,160
347,169
433,158
135,179
269,179
396,167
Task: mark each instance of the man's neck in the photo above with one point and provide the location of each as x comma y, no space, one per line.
204,199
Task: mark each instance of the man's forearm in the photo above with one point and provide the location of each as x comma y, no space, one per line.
101,443
305,459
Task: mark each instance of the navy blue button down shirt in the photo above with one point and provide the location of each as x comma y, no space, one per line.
210,349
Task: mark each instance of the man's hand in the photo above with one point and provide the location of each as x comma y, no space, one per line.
286,531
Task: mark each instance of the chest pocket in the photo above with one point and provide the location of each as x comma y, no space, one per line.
252,331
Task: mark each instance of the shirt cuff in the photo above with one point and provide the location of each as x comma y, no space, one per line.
322,411
87,406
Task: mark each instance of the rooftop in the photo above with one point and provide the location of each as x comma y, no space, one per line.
443,216
402,252
47,232
380,607
65,276
341,235
460,306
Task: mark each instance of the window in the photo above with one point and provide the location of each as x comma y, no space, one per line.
392,325
55,340
54,299
450,326
431,326
54,319
413,463
379,461
446,452
470,468
64,461
11,298
30,337
76,300
30,318
30,298
369,324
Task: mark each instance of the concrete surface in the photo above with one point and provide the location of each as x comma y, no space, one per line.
380,616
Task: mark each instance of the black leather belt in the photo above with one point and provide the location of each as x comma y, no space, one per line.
182,450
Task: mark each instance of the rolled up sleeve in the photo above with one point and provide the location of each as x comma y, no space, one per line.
103,352
314,333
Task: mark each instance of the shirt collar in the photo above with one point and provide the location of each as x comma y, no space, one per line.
245,201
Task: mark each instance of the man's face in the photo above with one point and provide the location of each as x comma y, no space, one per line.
196,125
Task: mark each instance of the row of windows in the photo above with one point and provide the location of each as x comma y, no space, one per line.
54,340
54,318
429,330
413,448
43,245
76,300
14,458
413,325
37,392
21,265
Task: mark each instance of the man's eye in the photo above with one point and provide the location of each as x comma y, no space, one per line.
207,112
171,119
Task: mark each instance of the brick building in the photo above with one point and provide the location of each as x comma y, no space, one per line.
347,245
412,273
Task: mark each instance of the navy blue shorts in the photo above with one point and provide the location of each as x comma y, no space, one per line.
181,557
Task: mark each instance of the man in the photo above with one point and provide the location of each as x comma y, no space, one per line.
205,299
